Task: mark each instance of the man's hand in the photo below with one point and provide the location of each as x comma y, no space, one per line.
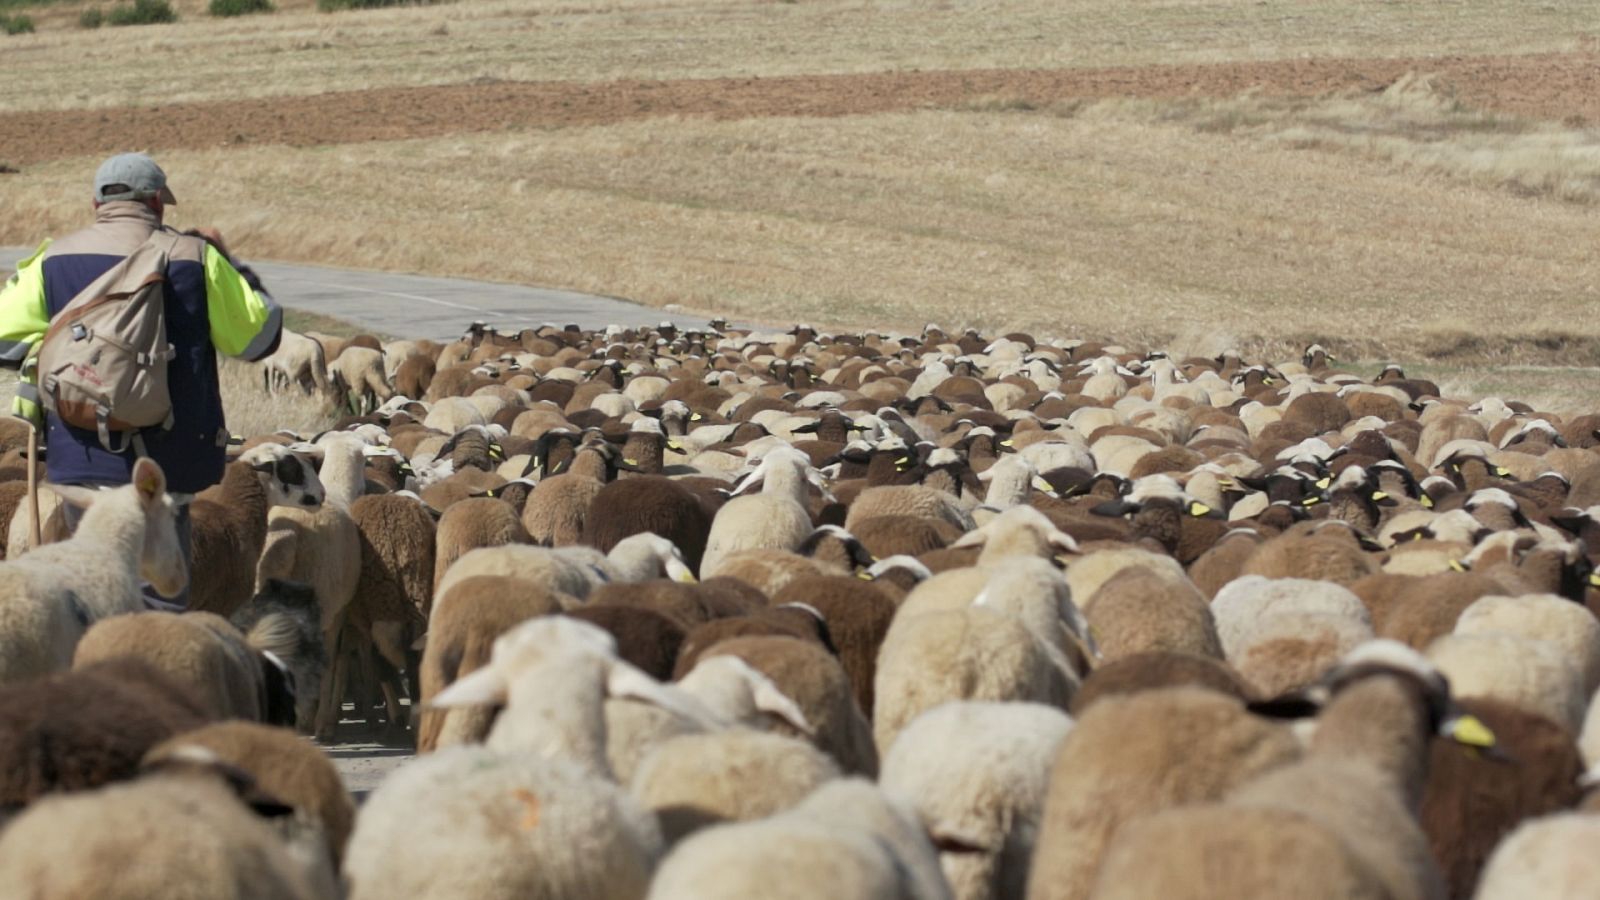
214,237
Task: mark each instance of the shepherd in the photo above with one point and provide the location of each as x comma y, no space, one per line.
116,329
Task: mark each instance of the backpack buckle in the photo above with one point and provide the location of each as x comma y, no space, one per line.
80,333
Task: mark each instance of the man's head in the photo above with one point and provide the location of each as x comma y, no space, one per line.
132,176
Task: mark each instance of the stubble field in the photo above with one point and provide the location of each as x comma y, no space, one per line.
1400,181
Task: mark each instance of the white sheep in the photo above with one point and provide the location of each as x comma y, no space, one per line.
1568,627
980,770
51,595
848,841
1551,858
776,519
297,360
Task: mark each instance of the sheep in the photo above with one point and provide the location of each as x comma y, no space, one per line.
50,596
857,614
886,536
559,504
81,729
544,767
228,523
1551,858
322,548
1313,557
1128,757
182,831
469,525
907,500
774,519
358,377
1155,670
394,589
645,638
461,635
282,765
980,770
1568,627
297,360
1472,800
818,685
848,841
1344,812
1283,634
694,780
650,503
1138,611
1525,672
284,620
203,652
972,653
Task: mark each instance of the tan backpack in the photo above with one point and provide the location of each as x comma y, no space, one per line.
103,360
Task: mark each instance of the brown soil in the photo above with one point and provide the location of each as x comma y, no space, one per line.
1563,87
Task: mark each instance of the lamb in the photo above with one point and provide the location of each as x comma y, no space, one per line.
228,523
980,770
181,831
1314,557
203,652
395,586
50,596
1139,611
574,570
847,841
77,730
282,765
775,519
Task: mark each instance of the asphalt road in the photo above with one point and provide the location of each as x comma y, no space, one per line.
415,306
419,306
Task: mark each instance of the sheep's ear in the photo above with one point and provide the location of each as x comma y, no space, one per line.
149,481
1062,542
483,687
78,496
975,538
624,682
949,839
775,702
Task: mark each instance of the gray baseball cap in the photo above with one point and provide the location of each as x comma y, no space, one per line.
131,176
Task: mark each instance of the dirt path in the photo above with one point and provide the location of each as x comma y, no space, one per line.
1562,87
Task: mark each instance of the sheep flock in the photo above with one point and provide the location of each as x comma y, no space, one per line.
724,613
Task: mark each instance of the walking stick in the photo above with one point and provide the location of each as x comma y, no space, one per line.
35,534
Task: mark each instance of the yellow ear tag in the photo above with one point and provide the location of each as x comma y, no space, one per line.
1311,501
495,452
686,576
1502,471
489,492
1416,535
674,445
864,576
631,462
1379,495
1457,566
1594,579
1470,731
1267,380
1039,484
1323,482
1007,442
149,484
1427,502
696,417
1198,509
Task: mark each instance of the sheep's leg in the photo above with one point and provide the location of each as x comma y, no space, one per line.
333,686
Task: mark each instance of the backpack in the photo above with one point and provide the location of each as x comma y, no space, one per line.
103,360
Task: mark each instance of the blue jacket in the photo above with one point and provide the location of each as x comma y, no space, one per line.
210,306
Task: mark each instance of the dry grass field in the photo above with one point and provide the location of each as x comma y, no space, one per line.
1410,181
